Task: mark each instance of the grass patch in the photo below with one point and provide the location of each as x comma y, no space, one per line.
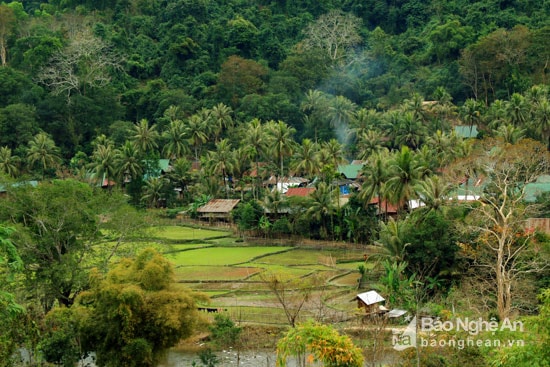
348,280
354,265
175,233
201,273
307,256
183,247
221,255
287,271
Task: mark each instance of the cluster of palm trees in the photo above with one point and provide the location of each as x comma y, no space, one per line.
401,147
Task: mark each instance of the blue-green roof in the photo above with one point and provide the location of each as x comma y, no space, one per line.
466,131
32,183
533,189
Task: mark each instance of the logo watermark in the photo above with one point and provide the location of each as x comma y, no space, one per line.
429,332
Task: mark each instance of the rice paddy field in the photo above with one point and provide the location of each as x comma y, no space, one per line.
234,274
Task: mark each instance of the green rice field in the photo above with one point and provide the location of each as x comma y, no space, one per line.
233,274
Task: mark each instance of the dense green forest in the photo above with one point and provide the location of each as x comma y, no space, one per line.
76,70
236,92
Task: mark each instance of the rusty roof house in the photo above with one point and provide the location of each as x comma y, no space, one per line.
218,209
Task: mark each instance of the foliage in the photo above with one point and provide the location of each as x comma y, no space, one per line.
224,332
132,314
10,309
316,342
535,336
60,343
58,227
247,215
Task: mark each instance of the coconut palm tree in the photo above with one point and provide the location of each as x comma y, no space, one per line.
196,130
274,201
322,205
340,111
417,107
8,162
404,172
517,110
280,141
369,143
365,120
154,191
433,192
43,152
333,152
176,143
103,163
541,121
220,115
305,160
128,162
241,164
470,112
391,240
315,105
180,173
410,131
375,175
510,134
221,161
255,138
496,114
145,137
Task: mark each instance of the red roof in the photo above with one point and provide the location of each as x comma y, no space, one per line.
299,191
385,206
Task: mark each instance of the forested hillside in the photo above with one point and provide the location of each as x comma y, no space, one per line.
78,69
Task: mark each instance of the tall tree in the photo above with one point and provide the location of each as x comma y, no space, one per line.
154,192
404,173
220,115
335,34
255,137
503,249
322,207
176,143
7,22
280,136
305,159
59,224
103,163
220,162
8,162
196,130
333,152
145,137
180,174
43,152
375,174
132,315
128,162
86,62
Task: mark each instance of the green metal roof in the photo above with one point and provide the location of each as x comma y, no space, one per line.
350,170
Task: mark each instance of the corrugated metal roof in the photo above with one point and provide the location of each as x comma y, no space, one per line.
299,191
533,189
370,297
466,131
218,206
350,170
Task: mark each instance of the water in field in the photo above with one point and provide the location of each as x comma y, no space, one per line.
225,358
